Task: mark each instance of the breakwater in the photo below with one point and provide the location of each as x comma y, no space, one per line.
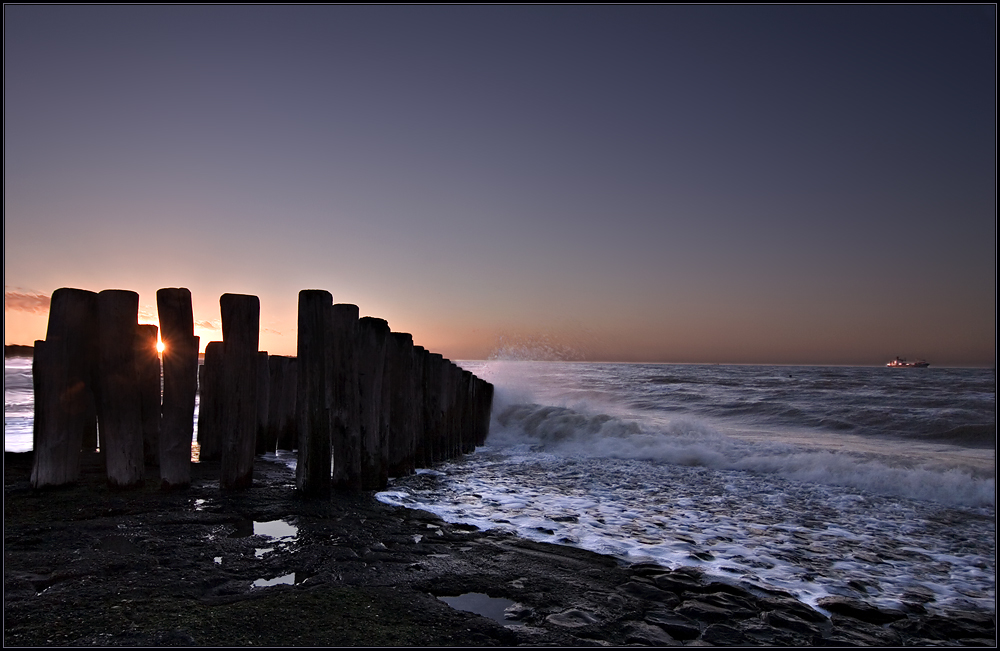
359,402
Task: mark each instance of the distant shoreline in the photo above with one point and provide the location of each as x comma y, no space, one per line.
17,350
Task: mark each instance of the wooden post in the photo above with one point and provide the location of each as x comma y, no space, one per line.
468,409
345,409
210,408
180,384
263,403
420,436
147,368
313,473
288,426
63,378
432,408
484,411
119,412
372,336
241,334
277,370
401,435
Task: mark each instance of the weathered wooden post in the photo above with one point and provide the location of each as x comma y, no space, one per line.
147,368
277,368
63,378
468,400
313,472
420,459
433,433
345,408
263,403
180,384
119,412
210,408
372,336
448,392
288,432
241,335
484,411
401,439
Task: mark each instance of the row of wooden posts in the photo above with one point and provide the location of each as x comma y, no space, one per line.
360,403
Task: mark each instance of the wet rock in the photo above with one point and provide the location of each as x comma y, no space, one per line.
677,625
645,591
789,621
572,618
677,582
723,635
857,632
859,610
647,634
793,606
518,611
703,612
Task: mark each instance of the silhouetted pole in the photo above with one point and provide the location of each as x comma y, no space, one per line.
399,354
147,368
119,412
420,459
372,336
180,384
263,403
241,334
345,408
210,408
433,434
62,375
468,412
288,426
484,404
313,472
277,370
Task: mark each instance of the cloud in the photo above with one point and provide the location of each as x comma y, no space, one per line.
21,300
207,325
271,330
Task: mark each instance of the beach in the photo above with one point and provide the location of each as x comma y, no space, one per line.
84,565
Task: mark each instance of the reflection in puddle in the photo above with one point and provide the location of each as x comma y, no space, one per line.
288,579
260,551
274,529
480,604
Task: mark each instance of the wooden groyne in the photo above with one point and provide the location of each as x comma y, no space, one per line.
359,402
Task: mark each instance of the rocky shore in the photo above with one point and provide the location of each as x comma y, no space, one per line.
84,565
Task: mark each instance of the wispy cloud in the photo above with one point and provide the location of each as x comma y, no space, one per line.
207,325
25,300
271,330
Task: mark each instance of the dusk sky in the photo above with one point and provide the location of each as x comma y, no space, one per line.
763,184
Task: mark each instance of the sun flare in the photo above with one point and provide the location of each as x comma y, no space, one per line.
159,346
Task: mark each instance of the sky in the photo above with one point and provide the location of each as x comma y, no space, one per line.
654,183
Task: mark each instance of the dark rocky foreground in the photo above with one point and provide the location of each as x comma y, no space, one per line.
87,566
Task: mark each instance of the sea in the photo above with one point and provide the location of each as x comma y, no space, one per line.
873,483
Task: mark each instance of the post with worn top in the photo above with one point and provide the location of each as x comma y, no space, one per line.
313,472
241,335
180,385
119,414
419,443
262,444
63,378
401,423
345,409
147,368
210,409
372,336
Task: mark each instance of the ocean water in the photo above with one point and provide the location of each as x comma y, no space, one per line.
874,483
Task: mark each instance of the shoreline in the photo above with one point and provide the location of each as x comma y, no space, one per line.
87,566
